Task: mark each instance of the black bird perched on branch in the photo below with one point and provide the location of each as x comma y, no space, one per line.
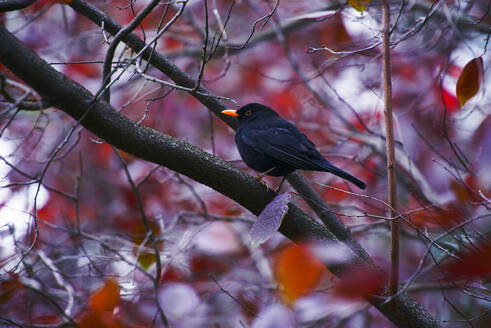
270,144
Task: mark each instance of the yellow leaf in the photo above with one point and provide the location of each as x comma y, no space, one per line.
469,80
359,5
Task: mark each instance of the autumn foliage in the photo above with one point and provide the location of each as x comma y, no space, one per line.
94,236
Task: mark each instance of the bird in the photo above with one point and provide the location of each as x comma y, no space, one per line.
270,144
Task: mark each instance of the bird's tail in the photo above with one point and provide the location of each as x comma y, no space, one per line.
328,167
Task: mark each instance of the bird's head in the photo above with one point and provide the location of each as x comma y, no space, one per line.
251,112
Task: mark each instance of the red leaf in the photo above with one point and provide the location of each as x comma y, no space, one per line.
333,195
172,44
439,218
9,288
203,265
450,101
360,283
474,262
86,70
47,320
470,80
462,192
284,101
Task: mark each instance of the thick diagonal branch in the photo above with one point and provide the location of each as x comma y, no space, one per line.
178,155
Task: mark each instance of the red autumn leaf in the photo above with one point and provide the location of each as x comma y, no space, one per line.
297,272
439,218
171,275
172,44
49,212
251,75
86,70
470,80
360,283
406,71
284,102
450,101
52,319
55,209
333,195
474,262
462,192
202,265
9,288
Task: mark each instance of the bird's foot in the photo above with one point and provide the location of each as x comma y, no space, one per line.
259,179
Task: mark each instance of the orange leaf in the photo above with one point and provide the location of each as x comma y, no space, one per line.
359,5
470,80
106,298
297,272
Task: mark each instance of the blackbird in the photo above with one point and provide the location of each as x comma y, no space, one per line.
270,144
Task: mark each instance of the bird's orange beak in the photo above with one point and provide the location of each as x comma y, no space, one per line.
230,112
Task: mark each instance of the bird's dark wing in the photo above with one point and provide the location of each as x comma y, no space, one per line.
285,143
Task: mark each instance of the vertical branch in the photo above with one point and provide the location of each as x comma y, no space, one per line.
391,168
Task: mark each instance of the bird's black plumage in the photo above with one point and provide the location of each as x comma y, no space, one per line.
269,143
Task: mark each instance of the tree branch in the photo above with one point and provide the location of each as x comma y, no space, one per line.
10,5
180,156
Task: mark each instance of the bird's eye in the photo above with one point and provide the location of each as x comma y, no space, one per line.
248,113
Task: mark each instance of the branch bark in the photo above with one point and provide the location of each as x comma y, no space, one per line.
389,142
180,156
10,5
